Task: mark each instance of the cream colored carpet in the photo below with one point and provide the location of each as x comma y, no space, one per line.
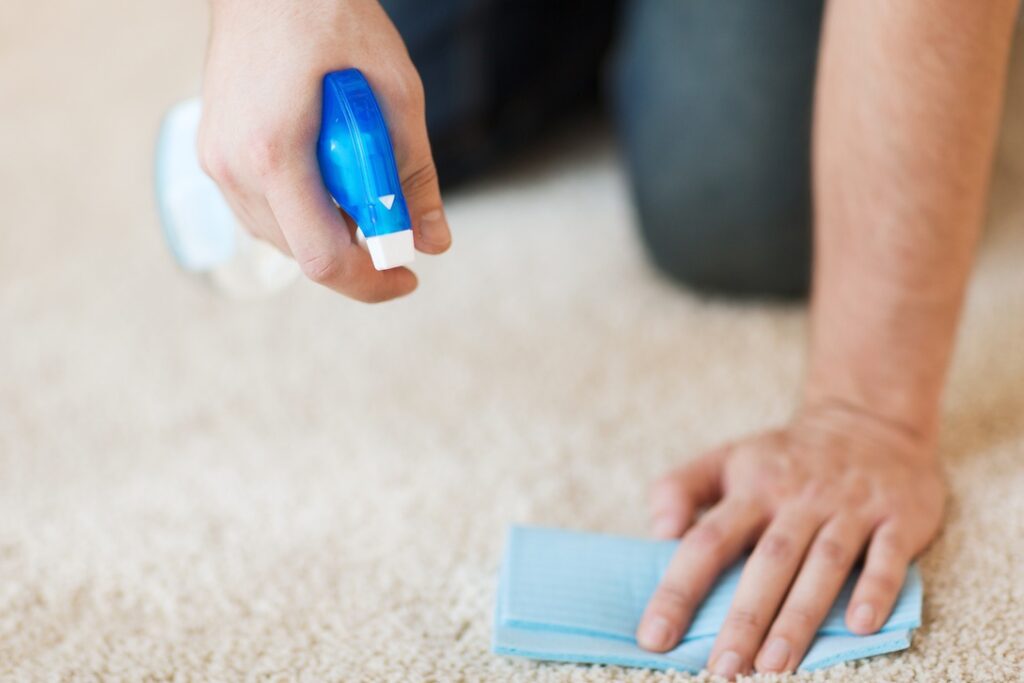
303,488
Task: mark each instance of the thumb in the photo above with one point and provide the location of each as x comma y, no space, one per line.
407,124
678,497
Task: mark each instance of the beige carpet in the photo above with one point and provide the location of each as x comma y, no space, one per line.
303,488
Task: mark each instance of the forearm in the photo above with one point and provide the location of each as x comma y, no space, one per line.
907,110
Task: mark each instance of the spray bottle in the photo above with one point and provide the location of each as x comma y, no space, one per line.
358,167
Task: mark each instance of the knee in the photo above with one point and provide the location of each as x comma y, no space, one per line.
717,139
738,241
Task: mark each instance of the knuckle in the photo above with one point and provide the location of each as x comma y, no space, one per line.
322,268
799,618
889,543
267,154
675,598
707,536
744,620
857,493
832,552
776,546
816,488
423,175
882,582
750,503
408,89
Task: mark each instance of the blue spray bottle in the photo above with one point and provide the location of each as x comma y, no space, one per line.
358,167
357,163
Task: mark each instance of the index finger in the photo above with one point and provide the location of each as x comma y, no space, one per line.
706,549
319,239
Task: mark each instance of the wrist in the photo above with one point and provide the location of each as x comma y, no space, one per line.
903,398
821,411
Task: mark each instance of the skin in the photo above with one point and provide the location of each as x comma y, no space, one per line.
261,119
906,116
907,107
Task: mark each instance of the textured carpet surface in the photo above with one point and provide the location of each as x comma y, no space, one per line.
303,488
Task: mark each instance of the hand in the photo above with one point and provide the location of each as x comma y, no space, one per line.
261,119
809,498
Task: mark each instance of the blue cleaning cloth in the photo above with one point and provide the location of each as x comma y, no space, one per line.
578,597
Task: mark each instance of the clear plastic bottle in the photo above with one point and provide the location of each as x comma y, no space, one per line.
200,228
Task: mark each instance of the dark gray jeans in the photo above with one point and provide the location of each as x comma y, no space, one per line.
711,100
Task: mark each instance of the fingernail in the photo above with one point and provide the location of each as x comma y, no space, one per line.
727,665
664,527
775,655
434,228
654,634
864,617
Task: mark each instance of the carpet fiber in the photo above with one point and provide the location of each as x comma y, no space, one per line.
304,488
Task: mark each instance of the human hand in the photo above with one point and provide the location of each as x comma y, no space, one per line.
261,119
809,497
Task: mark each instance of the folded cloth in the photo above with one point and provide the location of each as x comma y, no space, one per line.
578,597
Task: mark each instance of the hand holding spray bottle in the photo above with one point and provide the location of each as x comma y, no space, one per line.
356,162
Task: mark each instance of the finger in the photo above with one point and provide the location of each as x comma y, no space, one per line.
706,549
319,238
824,571
885,568
258,220
407,124
766,577
251,211
677,497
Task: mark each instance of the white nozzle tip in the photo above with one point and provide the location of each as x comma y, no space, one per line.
392,249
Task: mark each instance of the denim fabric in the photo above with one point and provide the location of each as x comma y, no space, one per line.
711,101
498,74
